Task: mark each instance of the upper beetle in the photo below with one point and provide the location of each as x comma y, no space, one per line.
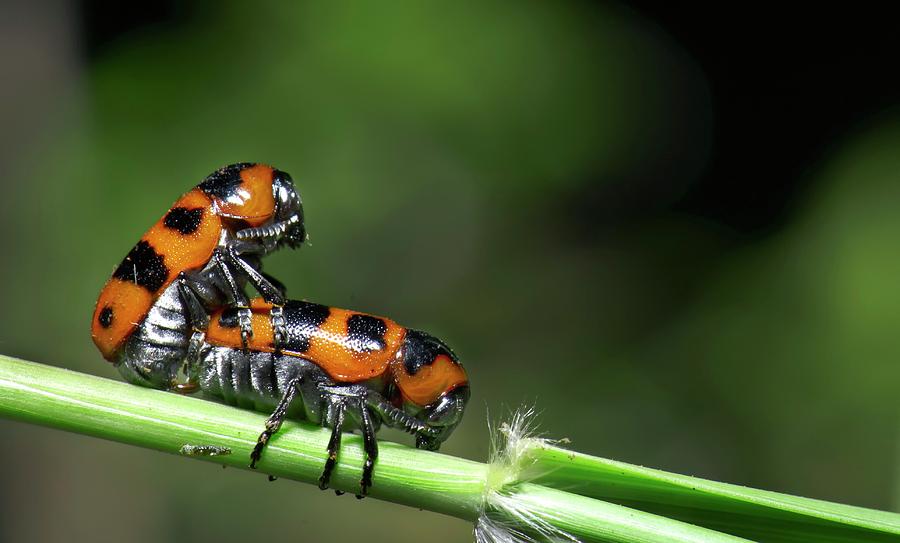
200,255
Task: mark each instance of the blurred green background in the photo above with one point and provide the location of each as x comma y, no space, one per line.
550,187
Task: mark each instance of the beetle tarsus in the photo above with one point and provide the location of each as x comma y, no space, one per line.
334,444
279,328
244,316
370,445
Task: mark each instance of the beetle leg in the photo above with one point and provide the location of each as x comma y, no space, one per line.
273,423
341,398
333,444
279,286
199,321
237,296
370,445
269,292
194,307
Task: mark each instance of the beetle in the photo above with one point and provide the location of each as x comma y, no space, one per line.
342,369
195,258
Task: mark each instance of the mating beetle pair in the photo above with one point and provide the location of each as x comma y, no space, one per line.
175,316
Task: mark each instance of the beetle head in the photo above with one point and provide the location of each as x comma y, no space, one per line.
442,417
288,209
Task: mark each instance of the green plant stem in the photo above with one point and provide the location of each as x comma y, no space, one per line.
748,512
166,422
593,520
642,499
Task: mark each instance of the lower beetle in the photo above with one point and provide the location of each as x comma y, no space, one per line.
342,369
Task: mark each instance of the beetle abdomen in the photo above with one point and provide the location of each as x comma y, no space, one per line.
257,380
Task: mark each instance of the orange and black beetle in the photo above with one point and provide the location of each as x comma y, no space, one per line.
194,259
346,370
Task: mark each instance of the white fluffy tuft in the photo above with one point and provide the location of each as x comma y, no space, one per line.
503,518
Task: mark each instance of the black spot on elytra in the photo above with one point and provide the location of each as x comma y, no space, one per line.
421,349
184,220
143,266
302,320
223,182
229,318
366,333
105,317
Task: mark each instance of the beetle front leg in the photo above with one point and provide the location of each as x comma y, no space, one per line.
232,254
279,286
270,292
236,295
